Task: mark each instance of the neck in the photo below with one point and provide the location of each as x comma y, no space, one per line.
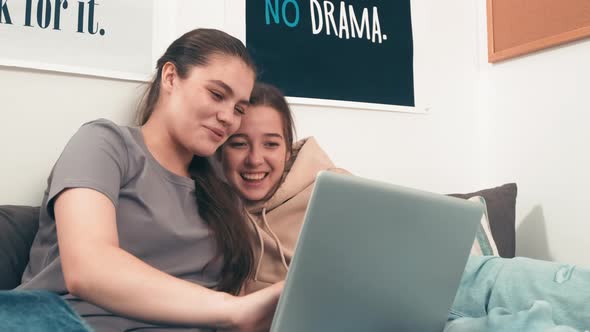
165,149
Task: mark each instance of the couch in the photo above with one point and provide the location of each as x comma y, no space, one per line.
19,224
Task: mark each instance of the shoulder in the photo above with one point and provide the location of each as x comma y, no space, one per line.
96,157
98,141
102,128
102,133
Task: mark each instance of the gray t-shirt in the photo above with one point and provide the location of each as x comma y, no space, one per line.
157,215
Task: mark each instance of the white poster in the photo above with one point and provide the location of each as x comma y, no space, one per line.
108,38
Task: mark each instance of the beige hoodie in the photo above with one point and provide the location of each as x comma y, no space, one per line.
277,222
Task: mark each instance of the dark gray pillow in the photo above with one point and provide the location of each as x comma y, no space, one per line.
18,226
501,205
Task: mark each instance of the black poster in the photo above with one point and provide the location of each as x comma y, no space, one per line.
355,50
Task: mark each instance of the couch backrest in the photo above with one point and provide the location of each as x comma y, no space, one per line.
18,226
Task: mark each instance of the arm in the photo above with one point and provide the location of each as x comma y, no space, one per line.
97,270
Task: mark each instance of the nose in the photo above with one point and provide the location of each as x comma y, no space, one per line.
254,157
226,116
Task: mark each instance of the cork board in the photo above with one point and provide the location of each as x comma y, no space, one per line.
517,27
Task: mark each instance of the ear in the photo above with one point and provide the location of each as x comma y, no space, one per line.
169,76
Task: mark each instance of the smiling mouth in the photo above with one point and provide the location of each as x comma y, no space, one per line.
217,132
254,176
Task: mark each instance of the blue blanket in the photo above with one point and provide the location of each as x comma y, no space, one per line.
521,294
538,318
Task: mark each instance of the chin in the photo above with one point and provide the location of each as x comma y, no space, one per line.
251,197
205,151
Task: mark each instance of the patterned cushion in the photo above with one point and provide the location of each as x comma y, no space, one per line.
484,244
501,207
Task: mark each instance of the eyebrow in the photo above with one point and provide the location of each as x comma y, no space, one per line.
273,135
228,90
267,135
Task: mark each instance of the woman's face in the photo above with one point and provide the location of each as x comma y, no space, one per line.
254,157
206,107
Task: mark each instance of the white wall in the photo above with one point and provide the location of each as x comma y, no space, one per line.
537,109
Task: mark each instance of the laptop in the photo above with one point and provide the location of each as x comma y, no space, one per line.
373,256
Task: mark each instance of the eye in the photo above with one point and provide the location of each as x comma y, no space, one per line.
272,145
240,110
216,95
238,145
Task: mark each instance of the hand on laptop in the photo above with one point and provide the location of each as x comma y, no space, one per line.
254,312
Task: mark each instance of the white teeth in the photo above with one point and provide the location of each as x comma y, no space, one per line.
253,176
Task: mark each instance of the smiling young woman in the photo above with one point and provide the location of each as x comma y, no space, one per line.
275,177
135,230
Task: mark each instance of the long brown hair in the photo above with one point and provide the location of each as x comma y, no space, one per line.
216,201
